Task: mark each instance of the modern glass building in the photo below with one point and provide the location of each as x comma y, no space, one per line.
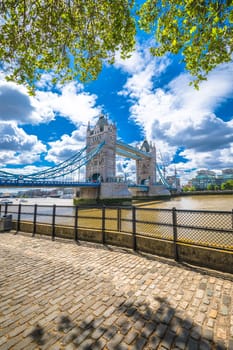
209,177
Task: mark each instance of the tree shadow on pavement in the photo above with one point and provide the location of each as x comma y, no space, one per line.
37,335
134,324
158,324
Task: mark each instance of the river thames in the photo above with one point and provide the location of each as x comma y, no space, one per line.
196,202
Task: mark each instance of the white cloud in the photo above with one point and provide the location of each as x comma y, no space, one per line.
139,60
16,147
71,102
67,146
135,63
212,93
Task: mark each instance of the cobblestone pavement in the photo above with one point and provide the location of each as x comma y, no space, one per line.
61,295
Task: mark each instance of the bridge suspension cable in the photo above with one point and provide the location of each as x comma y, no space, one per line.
67,167
164,181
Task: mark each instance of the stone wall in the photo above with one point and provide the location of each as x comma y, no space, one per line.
213,258
88,192
114,190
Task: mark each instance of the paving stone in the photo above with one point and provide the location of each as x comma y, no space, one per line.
98,321
208,334
200,294
153,342
130,311
110,332
213,313
109,311
210,323
180,342
168,339
98,332
86,322
80,338
99,344
139,343
200,317
226,300
192,344
196,332
130,337
204,345
168,316
139,324
148,329
187,324
161,330
125,327
86,345
221,333
73,334
224,310
115,341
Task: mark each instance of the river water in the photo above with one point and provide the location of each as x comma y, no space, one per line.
198,202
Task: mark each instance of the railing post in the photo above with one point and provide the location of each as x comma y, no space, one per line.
6,209
103,224
174,224
119,219
76,224
0,209
18,218
34,220
134,228
53,222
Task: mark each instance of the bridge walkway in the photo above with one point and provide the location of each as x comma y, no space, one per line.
63,295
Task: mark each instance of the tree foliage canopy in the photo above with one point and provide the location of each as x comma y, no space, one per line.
202,30
228,185
72,38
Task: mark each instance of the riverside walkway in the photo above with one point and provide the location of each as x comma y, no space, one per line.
63,295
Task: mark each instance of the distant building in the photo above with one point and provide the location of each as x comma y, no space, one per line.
227,174
173,181
209,177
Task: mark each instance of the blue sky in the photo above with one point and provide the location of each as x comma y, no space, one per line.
147,97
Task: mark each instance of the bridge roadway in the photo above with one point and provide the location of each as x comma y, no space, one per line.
46,183
63,295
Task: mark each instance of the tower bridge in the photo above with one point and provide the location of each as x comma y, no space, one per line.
99,159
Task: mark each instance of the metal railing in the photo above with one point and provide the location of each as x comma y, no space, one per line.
211,229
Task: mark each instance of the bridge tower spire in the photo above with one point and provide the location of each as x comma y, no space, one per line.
103,166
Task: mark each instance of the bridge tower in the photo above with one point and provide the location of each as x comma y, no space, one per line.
146,166
103,166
